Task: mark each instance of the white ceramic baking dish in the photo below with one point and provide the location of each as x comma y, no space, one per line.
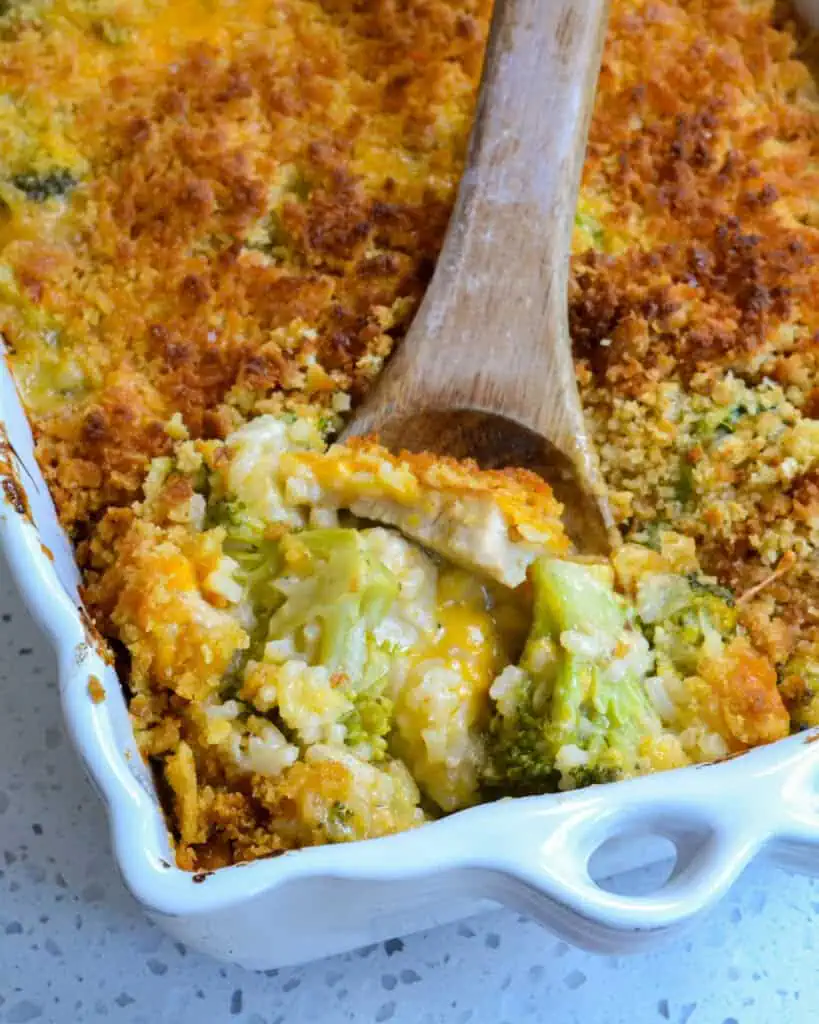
532,854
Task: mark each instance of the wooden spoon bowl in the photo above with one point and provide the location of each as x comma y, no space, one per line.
486,369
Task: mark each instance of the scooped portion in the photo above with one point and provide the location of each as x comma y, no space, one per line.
330,644
495,522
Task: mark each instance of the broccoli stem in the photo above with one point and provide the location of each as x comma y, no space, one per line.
337,585
575,597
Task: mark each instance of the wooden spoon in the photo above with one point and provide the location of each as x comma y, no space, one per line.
486,368
809,11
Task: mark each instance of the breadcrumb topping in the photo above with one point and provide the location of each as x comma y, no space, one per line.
211,212
695,296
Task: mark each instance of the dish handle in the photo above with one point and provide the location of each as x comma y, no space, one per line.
716,817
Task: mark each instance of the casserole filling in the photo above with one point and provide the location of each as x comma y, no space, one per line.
334,643
216,222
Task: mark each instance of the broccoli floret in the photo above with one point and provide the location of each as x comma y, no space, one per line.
233,515
368,725
334,595
721,422
520,757
594,775
686,487
331,582
576,709
327,424
39,187
682,615
257,556
339,817
570,595
650,535
799,686
270,237
200,481
702,586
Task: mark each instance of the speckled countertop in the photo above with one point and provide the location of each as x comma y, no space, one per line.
74,947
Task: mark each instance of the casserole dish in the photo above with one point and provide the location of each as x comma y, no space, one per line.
532,853
537,854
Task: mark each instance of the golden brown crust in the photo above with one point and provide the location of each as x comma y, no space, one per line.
524,496
695,294
747,703
156,597
700,149
260,214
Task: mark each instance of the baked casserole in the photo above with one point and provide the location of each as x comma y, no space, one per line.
218,220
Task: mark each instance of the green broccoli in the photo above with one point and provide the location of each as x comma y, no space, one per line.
703,586
332,583
520,758
681,615
334,594
685,489
798,681
722,422
368,724
576,710
339,818
39,187
650,534
271,237
257,556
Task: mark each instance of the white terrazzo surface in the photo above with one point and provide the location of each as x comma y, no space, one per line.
75,948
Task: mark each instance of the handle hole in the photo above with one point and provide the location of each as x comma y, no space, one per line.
634,863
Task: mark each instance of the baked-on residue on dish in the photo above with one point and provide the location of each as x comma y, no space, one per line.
215,223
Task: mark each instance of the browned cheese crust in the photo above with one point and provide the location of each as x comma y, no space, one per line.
695,295
260,200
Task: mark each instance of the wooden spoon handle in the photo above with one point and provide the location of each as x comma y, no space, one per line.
492,331
809,10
